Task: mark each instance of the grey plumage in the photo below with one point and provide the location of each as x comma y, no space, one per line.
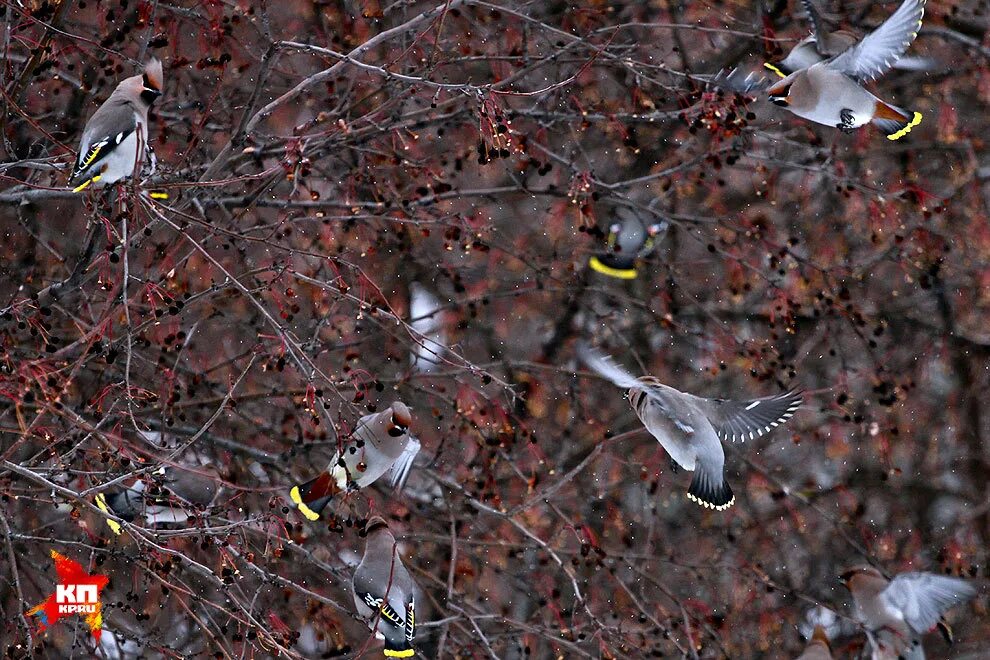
831,92
823,44
629,240
689,427
384,592
115,138
379,446
897,612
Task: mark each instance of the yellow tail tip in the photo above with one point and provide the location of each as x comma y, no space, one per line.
621,273
305,510
86,184
780,73
915,120
158,195
405,653
101,504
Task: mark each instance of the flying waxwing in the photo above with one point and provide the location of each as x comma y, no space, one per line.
896,613
426,320
628,241
384,592
823,44
116,137
690,428
179,490
818,647
831,92
380,443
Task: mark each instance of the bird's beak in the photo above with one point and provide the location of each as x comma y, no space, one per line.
395,429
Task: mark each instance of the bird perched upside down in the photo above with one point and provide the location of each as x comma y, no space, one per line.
379,444
691,428
116,136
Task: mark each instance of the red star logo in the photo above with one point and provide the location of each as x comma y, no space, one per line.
77,592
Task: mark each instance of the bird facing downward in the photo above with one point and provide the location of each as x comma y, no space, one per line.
384,592
380,444
115,138
831,92
896,613
690,428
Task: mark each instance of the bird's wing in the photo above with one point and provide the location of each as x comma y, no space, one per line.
399,472
606,367
923,597
742,420
736,81
818,30
657,397
111,124
878,51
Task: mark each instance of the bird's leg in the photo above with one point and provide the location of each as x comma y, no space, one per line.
847,117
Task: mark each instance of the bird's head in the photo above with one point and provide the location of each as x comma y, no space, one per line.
398,423
374,523
861,576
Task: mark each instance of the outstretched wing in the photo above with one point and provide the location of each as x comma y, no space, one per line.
399,472
741,420
606,367
878,51
649,392
922,598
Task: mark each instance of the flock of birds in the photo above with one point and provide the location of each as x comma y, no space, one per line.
822,80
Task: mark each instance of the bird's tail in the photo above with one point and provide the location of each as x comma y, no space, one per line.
400,649
706,492
314,495
893,121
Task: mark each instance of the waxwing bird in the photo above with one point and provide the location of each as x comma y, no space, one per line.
384,592
178,491
831,92
426,320
115,139
691,428
628,241
896,613
818,647
380,444
823,44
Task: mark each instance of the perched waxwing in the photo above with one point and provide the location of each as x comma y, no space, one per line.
628,241
896,613
831,92
384,592
179,490
823,44
818,647
690,428
380,444
115,139
426,320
